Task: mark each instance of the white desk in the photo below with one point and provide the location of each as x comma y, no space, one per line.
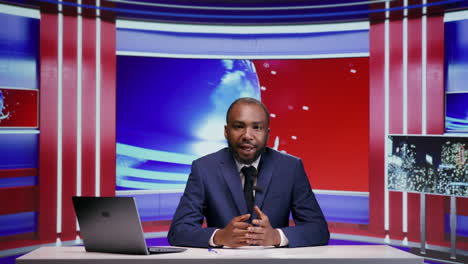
307,255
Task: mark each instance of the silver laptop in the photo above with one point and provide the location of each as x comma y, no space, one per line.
112,224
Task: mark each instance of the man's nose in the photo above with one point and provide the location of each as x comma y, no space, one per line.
248,134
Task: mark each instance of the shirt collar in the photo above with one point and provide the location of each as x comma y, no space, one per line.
241,165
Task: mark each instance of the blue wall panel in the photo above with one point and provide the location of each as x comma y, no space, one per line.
18,181
19,51
19,151
157,206
344,208
462,225
13,224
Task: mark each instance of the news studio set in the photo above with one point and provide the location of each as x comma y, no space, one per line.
115,98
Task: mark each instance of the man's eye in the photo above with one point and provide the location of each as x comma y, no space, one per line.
259,128
237,126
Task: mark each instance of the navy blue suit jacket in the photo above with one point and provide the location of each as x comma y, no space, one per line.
214,191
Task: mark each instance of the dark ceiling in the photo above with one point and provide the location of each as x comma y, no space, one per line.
251,12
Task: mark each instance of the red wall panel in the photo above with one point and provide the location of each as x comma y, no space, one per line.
69,125
47,219
414,116
414,76
414,217
22,199
10,173
88,126
396,116
435,120
435,75
376,128
108,112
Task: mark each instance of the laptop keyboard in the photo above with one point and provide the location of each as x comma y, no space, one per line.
158,250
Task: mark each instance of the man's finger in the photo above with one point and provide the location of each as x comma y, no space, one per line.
252,236
237,231
261,222
259,230
242,244
240,241
241,225
259,212
239,236
241,218
253,242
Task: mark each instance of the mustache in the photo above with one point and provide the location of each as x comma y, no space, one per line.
241,145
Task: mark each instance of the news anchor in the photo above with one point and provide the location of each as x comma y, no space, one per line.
247,191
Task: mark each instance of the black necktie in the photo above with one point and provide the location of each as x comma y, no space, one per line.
249,173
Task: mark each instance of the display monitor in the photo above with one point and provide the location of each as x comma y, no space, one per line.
428,164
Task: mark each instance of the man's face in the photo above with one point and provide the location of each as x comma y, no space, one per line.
247,131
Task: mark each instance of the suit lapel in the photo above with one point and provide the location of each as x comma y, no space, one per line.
265,173
232,178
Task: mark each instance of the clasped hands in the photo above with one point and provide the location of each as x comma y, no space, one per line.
239,233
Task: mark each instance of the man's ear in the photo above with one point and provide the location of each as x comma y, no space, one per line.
225,132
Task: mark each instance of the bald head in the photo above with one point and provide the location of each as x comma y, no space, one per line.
248,100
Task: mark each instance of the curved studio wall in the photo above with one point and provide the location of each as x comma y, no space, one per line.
299,47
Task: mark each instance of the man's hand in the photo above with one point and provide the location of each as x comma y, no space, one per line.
262,234
233,235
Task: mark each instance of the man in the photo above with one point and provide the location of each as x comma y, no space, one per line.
215,191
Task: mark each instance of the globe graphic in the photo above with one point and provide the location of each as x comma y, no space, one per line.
2,106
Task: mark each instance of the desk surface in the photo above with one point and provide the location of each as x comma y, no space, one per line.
258,255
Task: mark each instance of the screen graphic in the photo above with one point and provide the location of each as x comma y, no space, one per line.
171,111
456,76
456,112
428,164
18,108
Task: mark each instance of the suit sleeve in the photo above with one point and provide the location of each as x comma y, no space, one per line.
310,228
186,228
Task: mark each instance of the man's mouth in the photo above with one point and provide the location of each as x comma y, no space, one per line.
247,149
